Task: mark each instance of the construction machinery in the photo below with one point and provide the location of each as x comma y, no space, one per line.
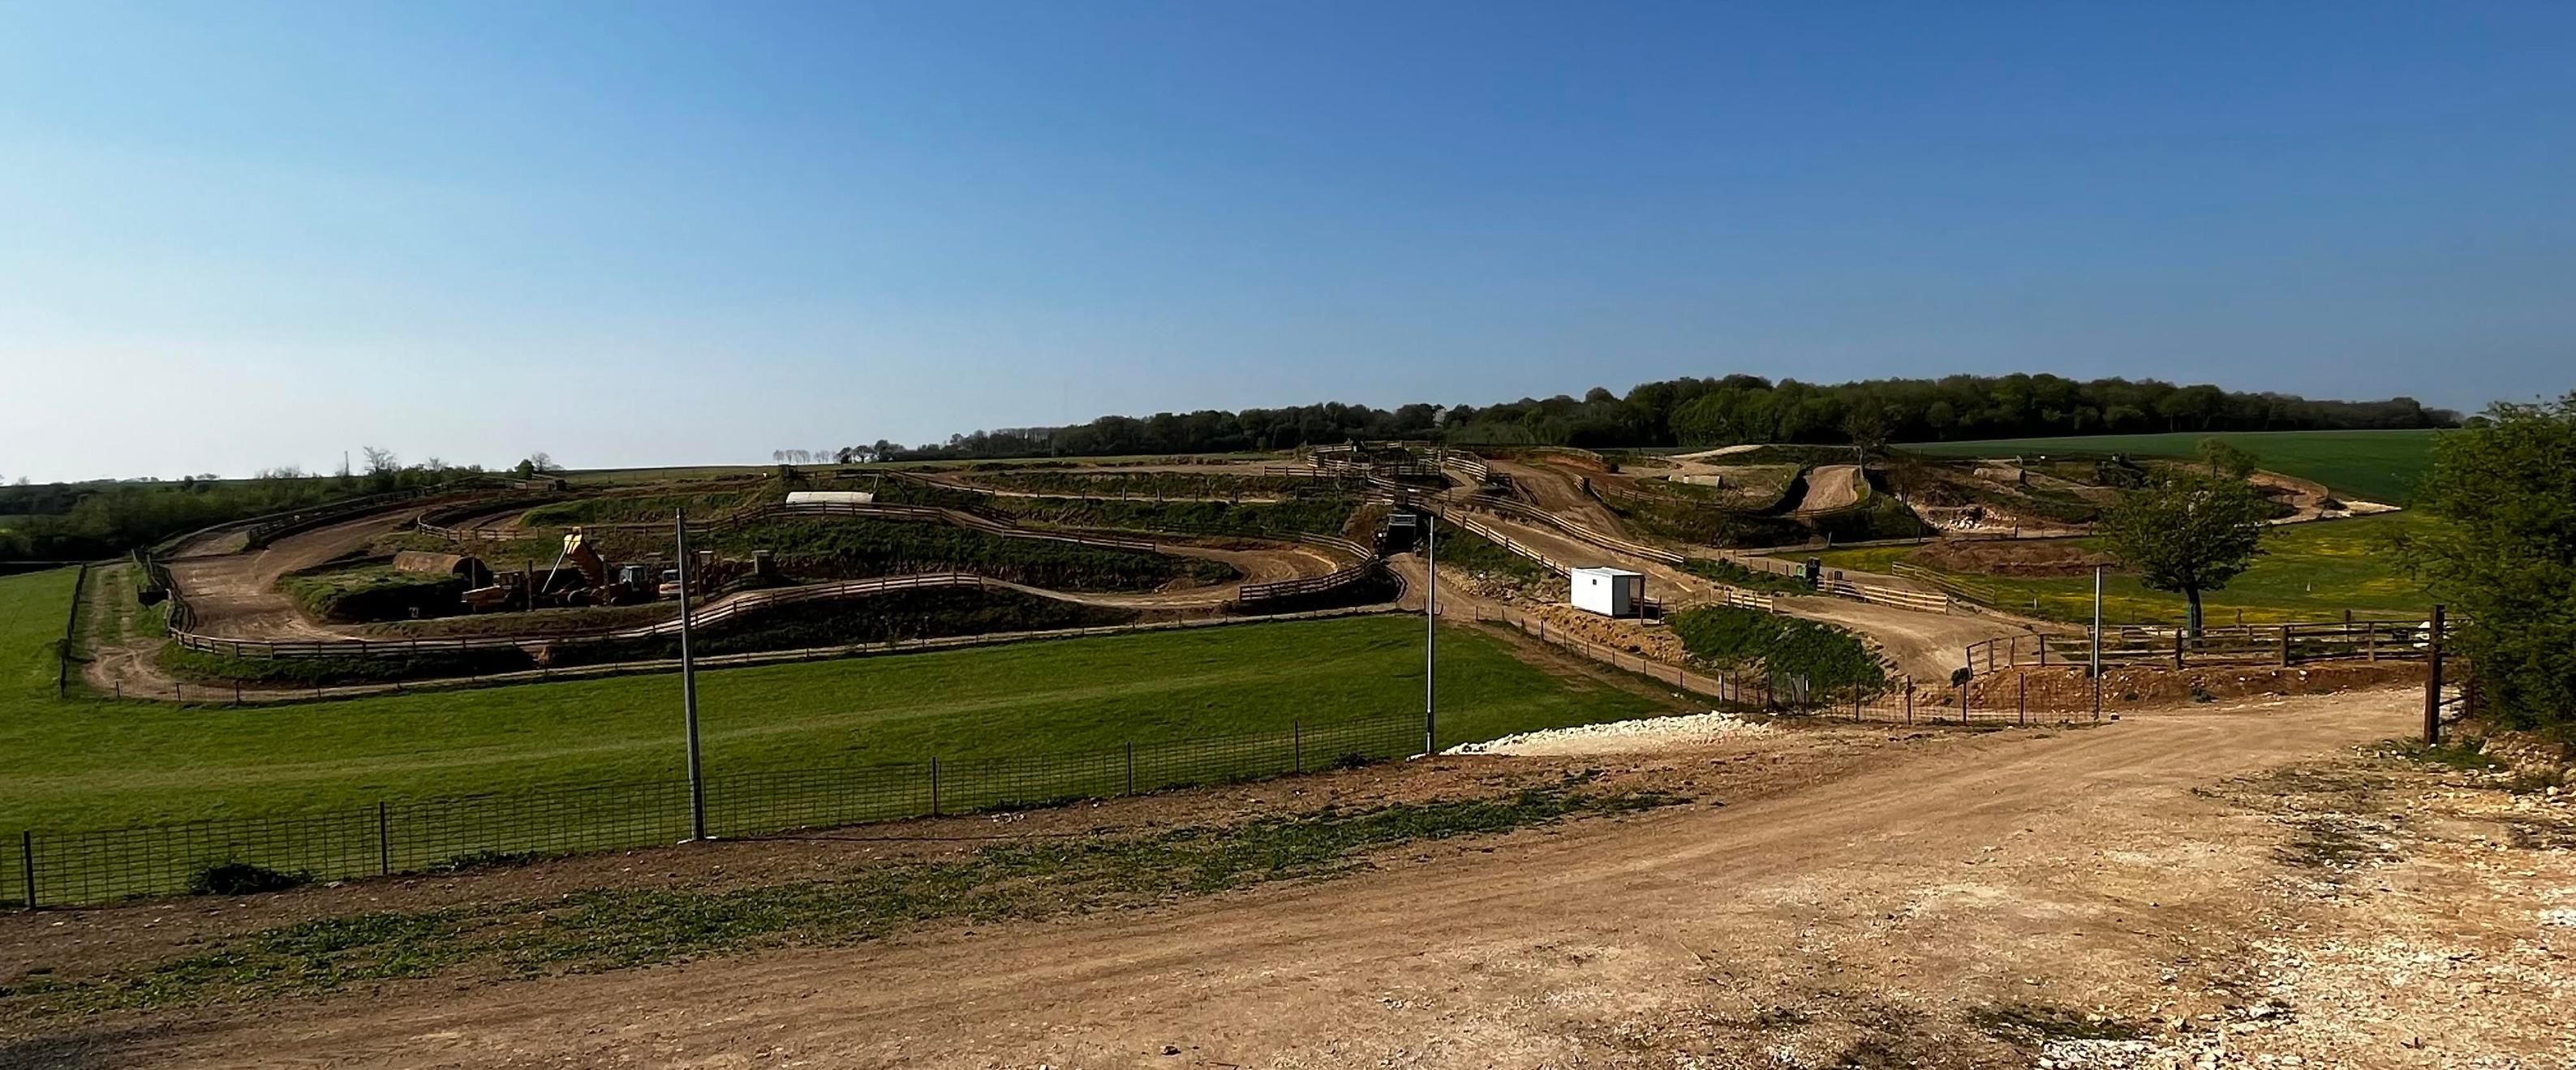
601,586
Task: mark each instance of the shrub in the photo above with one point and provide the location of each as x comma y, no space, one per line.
1828,658
242,878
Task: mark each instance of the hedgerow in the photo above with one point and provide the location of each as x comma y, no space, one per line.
1830,659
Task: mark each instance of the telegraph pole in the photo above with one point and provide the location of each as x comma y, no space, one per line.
689,687
1430,630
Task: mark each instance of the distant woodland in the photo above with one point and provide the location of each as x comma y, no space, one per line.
1713,412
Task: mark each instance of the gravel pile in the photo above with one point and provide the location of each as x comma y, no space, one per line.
1618,737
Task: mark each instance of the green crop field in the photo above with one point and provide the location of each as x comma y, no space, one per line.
89,763
2379,466
2308,572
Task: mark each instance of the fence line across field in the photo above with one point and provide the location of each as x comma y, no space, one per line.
64,868
2289,643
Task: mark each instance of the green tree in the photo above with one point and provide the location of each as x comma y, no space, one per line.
2187,532
2225,459
2501,550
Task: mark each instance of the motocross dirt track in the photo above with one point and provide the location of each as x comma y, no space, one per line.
1924,645
2065,867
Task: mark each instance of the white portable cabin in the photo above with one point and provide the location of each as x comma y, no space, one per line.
1611,592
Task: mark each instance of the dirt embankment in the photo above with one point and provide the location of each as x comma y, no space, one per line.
2140,687
1831,487
1559,490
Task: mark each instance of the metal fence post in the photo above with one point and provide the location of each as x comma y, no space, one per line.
1131,769
27,864
384,843
2021,699
934,787
1297,746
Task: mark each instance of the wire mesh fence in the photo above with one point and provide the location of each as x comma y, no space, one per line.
53,868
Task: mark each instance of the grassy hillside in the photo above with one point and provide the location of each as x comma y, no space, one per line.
2380,466
2309,572
84,763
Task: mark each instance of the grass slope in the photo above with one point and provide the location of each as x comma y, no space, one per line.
2309,572
91,764
2380,466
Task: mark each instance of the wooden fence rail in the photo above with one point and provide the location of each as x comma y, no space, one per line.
2245,644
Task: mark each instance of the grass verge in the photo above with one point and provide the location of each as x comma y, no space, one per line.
605,929
2309,571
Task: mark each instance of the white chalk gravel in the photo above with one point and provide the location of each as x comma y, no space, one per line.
1621,737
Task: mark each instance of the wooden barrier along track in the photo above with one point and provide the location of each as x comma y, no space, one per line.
2241,644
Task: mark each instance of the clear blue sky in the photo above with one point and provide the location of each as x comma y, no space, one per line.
237,235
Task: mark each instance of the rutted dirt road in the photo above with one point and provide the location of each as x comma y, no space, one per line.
235,594
1860,918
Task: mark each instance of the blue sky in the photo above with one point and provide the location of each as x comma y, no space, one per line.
240,235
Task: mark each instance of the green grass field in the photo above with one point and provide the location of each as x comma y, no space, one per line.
94,764
2379,466
2309,572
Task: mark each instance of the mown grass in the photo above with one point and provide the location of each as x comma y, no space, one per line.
91,763
2309,571
2380,466
615,928
33,607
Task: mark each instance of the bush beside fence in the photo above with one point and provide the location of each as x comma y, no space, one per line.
410,836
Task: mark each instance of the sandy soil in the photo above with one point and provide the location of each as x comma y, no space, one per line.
1561,492
1831,487
1862,919
236,595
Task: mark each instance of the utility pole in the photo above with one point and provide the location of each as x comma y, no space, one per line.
1430,630
689,686
2097,642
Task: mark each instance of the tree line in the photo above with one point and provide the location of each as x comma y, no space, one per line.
1707,412
92,520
